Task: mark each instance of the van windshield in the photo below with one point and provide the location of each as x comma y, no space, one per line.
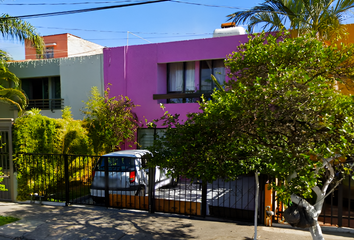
117,164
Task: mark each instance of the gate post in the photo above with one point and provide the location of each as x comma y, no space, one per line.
13,176
106,181
66,176
340,205
262,207
204,198
152,189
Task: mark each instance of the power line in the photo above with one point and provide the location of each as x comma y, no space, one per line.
106,2
206,5
81,10
110,31
71,3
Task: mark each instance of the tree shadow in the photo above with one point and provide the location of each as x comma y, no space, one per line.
84,222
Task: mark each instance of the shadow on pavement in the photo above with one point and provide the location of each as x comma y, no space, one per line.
98,222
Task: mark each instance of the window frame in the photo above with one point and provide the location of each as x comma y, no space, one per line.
212,72
184,75
50,91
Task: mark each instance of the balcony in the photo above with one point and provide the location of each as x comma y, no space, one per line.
46,104
180,95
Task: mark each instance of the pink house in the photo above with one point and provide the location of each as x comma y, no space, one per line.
173,73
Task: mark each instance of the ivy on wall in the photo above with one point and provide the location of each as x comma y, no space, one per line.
35,133
108,123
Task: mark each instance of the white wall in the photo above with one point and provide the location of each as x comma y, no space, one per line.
7,111
77,76
80,47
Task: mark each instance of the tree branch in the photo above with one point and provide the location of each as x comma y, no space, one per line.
303,203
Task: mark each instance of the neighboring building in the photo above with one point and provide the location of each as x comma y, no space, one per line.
52,84
174,73
63,45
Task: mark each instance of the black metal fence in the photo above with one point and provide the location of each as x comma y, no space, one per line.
5,166
74,179
55,177
338,207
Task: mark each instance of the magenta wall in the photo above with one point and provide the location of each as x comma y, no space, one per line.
140,71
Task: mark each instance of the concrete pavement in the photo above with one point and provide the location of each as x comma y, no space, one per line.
83,223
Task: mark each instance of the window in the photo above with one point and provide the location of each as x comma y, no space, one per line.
181,79
118,164
208,67
146,136
49,52
43,93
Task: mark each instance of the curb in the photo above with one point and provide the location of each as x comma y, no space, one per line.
324,228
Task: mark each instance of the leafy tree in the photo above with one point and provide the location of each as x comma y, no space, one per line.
280,114
35,133
325,17
10,91
109,121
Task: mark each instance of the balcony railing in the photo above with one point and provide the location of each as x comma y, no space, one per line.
46,104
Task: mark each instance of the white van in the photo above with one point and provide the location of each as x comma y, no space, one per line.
127,175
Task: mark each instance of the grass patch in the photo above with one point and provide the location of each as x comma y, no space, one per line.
7,219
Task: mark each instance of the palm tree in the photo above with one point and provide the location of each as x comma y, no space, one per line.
324,17
20,30
10,90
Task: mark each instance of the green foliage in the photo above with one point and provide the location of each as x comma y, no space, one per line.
21,30
109,121
10,91
2,186
7,219
324,17
34,133
279,110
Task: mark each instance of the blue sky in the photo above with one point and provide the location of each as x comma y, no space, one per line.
157,22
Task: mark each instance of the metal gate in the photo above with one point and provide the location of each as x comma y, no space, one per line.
6,164
235,199
338,208
68,179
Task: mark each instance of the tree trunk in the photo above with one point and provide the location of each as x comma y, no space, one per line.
312,211
315,210
316,232
256,206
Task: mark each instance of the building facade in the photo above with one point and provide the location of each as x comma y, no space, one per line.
175,74
63,45
52,84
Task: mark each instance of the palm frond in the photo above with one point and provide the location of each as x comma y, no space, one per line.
14,96
325,17
21,30
7,76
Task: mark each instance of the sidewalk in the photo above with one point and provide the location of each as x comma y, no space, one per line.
83,223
